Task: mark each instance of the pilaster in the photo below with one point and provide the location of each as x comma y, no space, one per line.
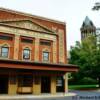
66,82
53,85
36,49
37,86
16,46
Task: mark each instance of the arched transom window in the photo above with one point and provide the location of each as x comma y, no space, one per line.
46,55
26,53
4,51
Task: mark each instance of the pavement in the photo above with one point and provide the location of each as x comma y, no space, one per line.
57,96
71,95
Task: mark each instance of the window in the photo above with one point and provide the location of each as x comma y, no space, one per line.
26,40
4,52
45,56
4,37
26,54
59,81
47,43
25,81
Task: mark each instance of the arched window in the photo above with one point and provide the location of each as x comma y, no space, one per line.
45,56
26,54
4,51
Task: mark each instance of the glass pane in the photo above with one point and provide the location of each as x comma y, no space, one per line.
26,40
48,43
26,54
5,37
45,56
4,51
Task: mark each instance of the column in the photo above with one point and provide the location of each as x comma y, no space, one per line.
36,49
54,51
66,82
12,85
16,46
36,85
61,46
53,85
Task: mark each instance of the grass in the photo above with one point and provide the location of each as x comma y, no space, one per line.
83,87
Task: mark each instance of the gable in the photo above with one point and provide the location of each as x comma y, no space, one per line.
28,24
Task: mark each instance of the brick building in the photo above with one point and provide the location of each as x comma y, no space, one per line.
32,54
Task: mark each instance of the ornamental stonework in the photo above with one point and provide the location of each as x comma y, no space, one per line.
27,24
28,33
61,46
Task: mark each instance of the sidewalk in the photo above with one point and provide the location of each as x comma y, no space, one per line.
17,97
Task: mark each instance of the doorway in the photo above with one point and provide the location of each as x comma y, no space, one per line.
45,84
60,84
4,85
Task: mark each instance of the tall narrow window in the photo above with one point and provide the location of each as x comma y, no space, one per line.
4,52
45,56
26,54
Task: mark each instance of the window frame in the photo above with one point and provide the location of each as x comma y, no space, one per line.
43,57
5,52
27,58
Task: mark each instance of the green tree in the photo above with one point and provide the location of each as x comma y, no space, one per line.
96,6
87,56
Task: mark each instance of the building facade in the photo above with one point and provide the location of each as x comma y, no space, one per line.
87,28
32,54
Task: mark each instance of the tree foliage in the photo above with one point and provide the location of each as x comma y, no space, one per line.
87,56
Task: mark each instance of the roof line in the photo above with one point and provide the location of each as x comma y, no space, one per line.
32,16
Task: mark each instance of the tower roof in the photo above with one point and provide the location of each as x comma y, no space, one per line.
87,23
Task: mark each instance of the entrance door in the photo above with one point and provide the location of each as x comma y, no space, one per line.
45,84
3,84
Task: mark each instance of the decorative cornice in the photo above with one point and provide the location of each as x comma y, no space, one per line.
3,24
27,19
32,16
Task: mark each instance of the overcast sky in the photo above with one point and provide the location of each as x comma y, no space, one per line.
72,12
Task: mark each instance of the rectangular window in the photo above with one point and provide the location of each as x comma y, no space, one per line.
45,56
47,43
25,81
4,52
59,81
4,37
26,40
26,54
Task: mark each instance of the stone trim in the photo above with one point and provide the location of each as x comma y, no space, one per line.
15,31
26,19
32,16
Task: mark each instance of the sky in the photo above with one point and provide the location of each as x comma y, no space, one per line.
73,12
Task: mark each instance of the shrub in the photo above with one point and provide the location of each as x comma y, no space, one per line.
84,81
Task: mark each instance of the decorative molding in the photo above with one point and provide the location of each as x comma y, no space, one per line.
16,31
27,24
61,46
32,16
